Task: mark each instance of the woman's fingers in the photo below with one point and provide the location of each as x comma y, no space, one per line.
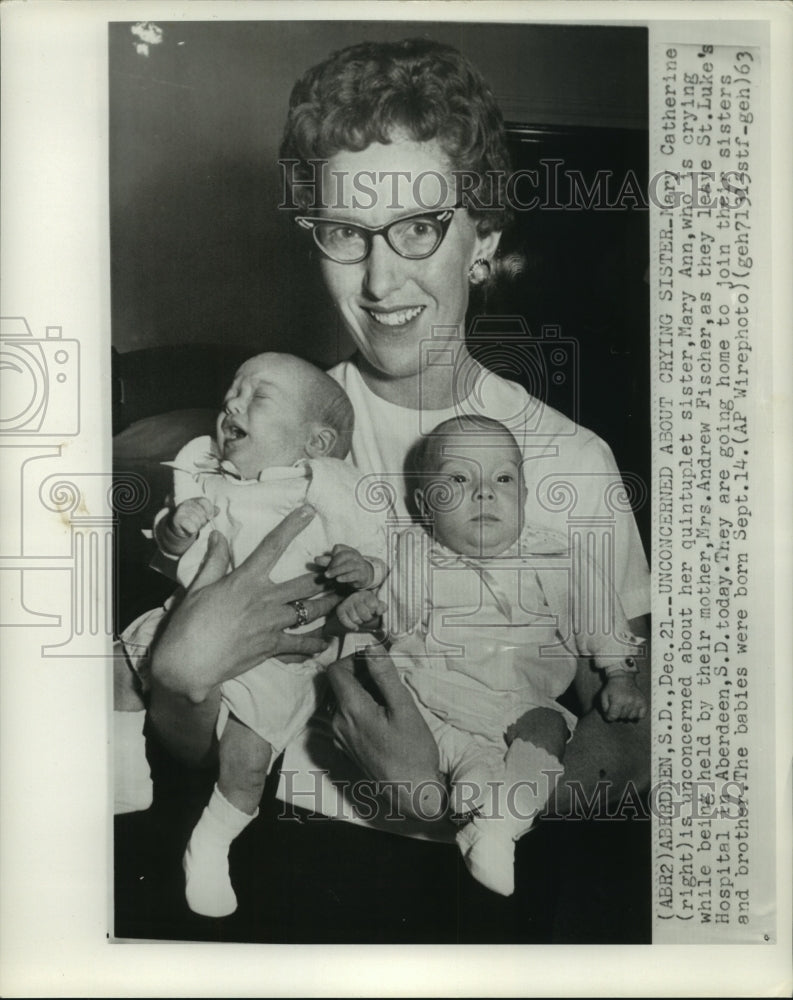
301,588
386,677
317,607
350,694
215,564
305,644
267,553
286,616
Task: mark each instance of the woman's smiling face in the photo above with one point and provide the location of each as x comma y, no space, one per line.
390,304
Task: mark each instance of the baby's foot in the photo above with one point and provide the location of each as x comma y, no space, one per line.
489,854
207,882
206,860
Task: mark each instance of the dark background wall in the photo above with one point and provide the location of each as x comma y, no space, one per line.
199,252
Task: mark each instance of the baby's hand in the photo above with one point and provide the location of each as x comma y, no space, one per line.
347,565
359,608
191,516
622,700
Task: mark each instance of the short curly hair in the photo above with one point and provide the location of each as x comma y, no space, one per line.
364,93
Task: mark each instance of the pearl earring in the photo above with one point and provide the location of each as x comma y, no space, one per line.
479,271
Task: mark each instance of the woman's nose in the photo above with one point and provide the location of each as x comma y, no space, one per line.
382,269
233,405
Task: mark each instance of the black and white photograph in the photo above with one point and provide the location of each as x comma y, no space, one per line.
494,283
477,307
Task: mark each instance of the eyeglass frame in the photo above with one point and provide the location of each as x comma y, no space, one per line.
309,222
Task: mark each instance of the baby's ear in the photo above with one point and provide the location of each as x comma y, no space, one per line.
418,500
321,441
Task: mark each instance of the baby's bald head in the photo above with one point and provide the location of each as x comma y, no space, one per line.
467,480
467,431
280,410
321,398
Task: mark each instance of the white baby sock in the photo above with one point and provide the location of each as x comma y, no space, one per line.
132,787
206,861
488,851
487,842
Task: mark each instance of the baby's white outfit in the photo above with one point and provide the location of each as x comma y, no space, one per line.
273,699
481,641
577,483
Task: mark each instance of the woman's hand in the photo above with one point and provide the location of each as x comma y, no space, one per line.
386,736
227,623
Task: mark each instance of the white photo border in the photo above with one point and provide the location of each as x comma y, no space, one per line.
54,913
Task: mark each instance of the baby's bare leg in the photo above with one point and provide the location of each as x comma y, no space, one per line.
126,688
244,760
536,742
544,727
132,785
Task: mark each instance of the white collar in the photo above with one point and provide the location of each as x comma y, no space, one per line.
533,540
276,473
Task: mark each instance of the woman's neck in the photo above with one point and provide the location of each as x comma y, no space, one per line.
432,388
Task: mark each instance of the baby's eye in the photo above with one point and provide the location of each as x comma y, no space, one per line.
505,477
458,477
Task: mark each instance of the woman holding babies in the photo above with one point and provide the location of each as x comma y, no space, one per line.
418,121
